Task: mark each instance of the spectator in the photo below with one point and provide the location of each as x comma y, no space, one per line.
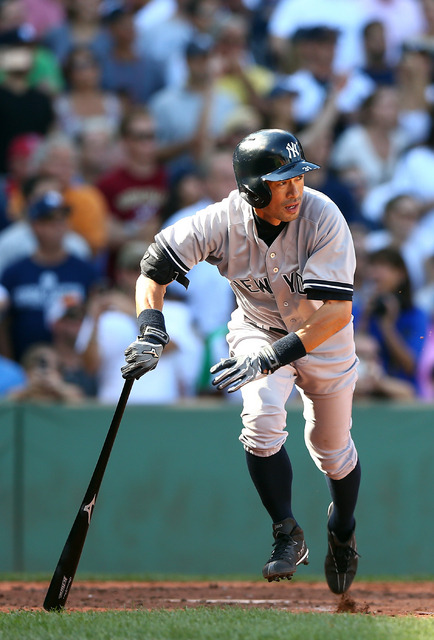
17,31
237,71
81,27
65,320
112,319
402,19
19,169
98,151
84,100
34,284
412,174
278,108
375,63
166,41
400,223
316,78
18,240
185,190
190,119
318,148
290,16
58,158
136,190
136,78
374,144
44,378
22,109
390,315
373,383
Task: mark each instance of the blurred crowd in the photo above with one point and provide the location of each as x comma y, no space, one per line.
118,118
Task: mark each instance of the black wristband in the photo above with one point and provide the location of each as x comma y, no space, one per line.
151,318
289,348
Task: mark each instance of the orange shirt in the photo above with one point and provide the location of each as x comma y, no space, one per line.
89,215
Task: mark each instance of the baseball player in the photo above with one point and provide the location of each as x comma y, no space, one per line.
288,255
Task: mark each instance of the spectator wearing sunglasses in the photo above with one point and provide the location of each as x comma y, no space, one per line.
137,189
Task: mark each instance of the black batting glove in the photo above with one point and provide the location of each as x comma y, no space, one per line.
236,372
144,353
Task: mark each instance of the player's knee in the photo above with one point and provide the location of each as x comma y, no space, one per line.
263,435
336,463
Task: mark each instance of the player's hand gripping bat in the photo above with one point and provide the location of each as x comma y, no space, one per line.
64,573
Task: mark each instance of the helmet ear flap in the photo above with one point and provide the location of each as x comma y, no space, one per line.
259,198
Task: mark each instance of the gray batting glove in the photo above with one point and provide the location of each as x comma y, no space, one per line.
144,353
236,372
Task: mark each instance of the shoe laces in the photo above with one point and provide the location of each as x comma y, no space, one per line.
343,556
283,546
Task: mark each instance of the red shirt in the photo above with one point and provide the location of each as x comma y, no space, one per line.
134,199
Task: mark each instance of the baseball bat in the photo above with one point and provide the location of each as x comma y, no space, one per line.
64,573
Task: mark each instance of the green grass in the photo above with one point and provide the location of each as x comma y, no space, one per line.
210,624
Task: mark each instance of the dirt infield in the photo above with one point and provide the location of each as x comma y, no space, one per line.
384,598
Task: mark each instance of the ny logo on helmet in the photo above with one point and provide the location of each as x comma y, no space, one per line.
293,150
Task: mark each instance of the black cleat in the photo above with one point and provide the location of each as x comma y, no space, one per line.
289,551
341,561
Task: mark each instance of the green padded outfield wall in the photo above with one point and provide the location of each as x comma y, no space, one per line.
176,497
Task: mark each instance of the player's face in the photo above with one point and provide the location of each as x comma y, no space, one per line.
285,201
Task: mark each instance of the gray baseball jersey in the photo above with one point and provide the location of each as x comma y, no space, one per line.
280,286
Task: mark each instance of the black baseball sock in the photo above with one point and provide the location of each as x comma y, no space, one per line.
272,477
344,495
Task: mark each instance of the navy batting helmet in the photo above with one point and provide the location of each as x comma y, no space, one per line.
268,154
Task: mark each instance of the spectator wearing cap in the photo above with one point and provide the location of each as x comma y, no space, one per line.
316,78
191,118
132,76
57,158
23,109
278,111
18,240
16,31
34,284
291,16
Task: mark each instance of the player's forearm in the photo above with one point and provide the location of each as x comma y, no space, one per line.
330,318
149,294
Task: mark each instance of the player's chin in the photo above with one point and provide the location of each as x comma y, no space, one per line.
291,213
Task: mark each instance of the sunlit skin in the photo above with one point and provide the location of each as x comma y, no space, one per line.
285,201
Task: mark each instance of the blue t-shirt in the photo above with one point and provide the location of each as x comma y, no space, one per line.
35,289
12,376
412,325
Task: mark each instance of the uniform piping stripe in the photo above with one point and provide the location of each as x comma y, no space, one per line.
323,284
172,255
